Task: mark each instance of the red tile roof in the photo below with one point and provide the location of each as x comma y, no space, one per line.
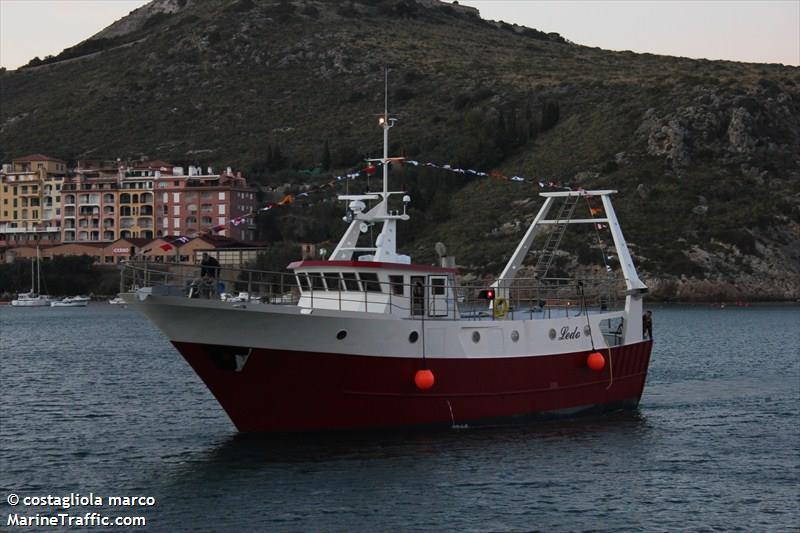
37,157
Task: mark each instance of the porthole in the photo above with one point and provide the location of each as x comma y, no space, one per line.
552,334
476,337
341,335
413,336
515,335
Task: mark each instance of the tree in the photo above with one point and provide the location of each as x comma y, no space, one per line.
326,157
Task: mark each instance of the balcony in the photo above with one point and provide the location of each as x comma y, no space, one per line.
126,223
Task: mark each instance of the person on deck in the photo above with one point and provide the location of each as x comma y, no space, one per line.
209,272
647,325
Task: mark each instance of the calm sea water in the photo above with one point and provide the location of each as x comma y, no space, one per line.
96,400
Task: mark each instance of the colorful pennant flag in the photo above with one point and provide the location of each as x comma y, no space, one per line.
166,247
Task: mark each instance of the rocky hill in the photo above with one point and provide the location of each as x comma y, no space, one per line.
705,154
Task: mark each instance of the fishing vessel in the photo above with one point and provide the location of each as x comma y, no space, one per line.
366,338
34,298
71,301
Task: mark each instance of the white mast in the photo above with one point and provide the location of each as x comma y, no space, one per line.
38,271
385,245
386,123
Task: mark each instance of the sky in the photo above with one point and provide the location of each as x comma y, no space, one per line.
761,31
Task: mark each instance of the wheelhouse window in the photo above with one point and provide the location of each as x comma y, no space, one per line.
350,281
333,281
397,285
370,281
302,281
437,286
316,281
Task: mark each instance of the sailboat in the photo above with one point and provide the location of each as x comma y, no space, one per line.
33,298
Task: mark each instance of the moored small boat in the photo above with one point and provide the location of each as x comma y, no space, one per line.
71,301
31,299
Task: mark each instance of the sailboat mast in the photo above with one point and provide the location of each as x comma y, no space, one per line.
38,272
33,277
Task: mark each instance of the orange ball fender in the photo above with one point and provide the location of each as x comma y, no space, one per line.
424,379
596,361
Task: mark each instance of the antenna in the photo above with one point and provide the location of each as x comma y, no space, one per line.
386,127
386,92
386,122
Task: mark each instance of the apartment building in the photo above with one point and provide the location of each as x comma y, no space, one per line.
30,200
194,204
100,201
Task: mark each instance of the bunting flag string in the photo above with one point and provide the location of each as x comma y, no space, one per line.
371,168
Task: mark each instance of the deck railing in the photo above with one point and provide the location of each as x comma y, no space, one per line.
515,299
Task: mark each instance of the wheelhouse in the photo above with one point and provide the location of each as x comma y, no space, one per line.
401,290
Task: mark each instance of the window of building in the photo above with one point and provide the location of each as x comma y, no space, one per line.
370,281
222,195
176,210
176,223
176,197
221,208
397,285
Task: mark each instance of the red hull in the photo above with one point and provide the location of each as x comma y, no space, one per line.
300,391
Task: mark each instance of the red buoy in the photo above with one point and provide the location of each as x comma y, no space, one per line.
423,379
596,361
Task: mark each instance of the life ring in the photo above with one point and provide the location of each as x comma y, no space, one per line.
500,308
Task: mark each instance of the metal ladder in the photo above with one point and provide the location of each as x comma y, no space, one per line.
547,253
